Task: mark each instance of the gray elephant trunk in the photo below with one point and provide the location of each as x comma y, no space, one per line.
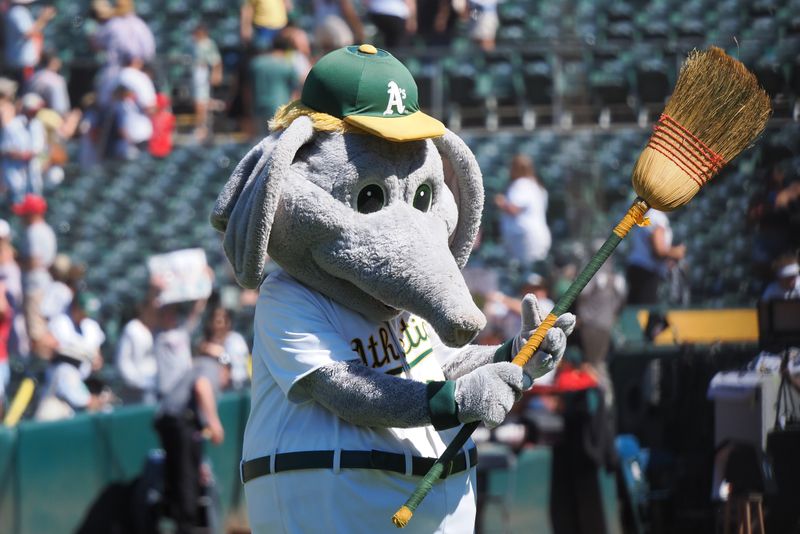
420,276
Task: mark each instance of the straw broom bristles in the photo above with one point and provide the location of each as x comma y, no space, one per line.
715,112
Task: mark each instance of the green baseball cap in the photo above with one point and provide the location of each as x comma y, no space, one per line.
369,88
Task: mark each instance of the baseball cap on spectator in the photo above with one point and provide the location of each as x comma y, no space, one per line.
534,280
789,271
30,205
32,102
5,229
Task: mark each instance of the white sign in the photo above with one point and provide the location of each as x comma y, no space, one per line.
183,275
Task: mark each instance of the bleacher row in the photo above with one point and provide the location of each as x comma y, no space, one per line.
576,61
115,216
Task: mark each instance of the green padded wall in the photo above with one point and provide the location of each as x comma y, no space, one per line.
51,473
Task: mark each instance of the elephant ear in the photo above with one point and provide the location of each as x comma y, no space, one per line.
246,207
467,188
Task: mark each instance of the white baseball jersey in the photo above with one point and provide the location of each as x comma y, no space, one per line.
298,330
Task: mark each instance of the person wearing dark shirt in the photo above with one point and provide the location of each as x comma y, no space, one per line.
186,415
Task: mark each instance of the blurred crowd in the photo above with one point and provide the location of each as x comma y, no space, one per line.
128,109
49,317
48,313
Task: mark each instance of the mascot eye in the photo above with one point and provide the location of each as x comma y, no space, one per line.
370,199
423,197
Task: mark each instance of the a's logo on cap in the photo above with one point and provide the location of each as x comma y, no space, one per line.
396,97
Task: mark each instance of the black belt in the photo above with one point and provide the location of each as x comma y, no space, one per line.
385,461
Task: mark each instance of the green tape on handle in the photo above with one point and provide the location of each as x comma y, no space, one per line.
568,298
437,468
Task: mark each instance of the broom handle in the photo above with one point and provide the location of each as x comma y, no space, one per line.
635,215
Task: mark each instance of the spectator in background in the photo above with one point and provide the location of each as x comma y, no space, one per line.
37,250
9,269
123,33
336,24
598,307
523,221
435,21
772,211
220,340
135,358
23,37
262,20
132,127
77,353
66,277
123,36
651,255
298,51
50,84
483,22
91,145
395,20
787,279
11,274
8,94
172,344
6,327
163,127
187,412
58,130
22,144
206,72
273,81
134,78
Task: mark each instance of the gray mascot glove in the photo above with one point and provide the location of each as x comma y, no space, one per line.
552,348
488,393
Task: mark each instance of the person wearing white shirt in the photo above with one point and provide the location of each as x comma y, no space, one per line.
133,78
523,223
77,354
23,36
136,360
395,20
51,85
22,144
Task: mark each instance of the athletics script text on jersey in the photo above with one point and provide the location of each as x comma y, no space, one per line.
380,351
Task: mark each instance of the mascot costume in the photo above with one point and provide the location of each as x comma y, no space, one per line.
362,367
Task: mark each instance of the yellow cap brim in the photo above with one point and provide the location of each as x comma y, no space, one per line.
399,129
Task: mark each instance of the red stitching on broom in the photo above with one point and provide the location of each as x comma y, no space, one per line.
675,160
697,153
685,146
713,156
701,164
680,151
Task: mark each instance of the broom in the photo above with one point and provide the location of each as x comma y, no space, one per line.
716,110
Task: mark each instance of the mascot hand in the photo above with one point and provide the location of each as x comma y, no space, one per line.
488,393
555,342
